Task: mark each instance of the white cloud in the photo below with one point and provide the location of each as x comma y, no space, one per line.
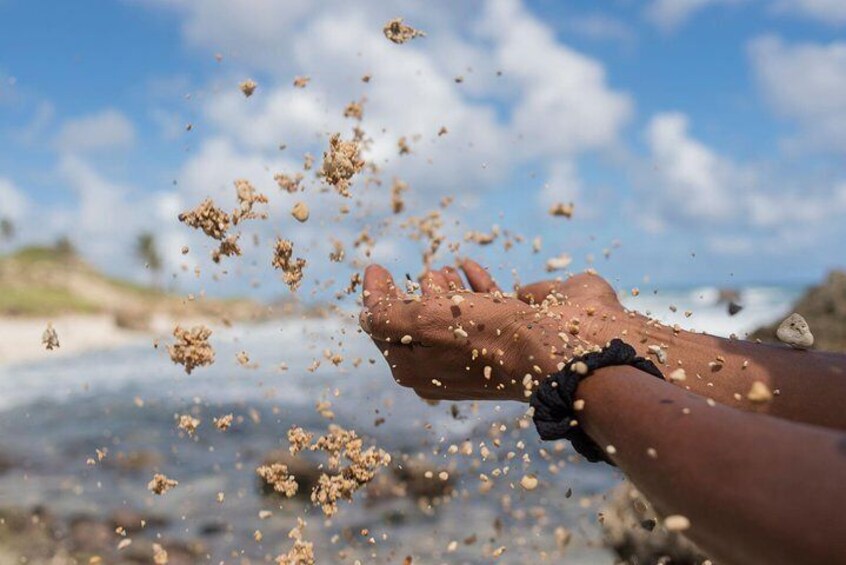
171,125
669,15
740,208
13,201
800,217
733,244
213,168
255,30
806,83
831,12
109,215
43,117
565,104
107,129
695,183
563,184
550,105
102,205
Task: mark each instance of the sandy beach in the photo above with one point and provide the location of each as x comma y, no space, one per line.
20,338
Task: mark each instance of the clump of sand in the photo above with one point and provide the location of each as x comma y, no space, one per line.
289,183
248,87
160,484
559,263
160,556
192,348
302,553
340,163
224,422
562,209
361,469
298,439
355,110
207,217
213,222
292,269
248,197
50,338
337,254
276,475
188,423
228,248
397,202
398,32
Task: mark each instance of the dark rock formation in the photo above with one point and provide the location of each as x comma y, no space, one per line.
632,529
39,537
824,307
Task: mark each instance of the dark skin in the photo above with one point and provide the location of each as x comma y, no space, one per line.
809,383
756,489
508,334
760,482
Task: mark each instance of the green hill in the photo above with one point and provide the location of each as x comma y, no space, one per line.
49,281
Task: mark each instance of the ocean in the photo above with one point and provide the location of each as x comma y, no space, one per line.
55,414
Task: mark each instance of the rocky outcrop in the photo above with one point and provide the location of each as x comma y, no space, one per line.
824,307
38,537
6,463
632,529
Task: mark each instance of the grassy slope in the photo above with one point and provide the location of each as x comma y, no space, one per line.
41,281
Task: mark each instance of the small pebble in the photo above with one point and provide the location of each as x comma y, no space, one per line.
678,375
794,330
759,393
676,523
300,211
529,482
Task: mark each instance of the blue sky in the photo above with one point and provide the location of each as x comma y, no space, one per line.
702,141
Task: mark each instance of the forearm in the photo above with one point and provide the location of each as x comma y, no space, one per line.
743,480
808,386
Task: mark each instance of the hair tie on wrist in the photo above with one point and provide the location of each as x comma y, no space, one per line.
554,415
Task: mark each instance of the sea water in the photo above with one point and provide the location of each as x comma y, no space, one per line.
54,415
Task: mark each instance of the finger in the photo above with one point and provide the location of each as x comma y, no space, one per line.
453,279
392,320
587,288
433,282
378,285
480,280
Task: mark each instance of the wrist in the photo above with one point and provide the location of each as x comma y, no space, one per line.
608,323
558,403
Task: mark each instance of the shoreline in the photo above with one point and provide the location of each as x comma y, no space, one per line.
20,337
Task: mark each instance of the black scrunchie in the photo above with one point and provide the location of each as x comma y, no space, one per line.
553,400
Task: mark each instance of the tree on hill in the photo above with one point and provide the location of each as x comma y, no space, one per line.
146,249
7,229
65,248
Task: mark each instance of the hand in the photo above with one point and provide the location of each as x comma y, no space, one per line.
453,343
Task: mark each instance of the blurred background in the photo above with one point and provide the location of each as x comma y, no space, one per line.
700,143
